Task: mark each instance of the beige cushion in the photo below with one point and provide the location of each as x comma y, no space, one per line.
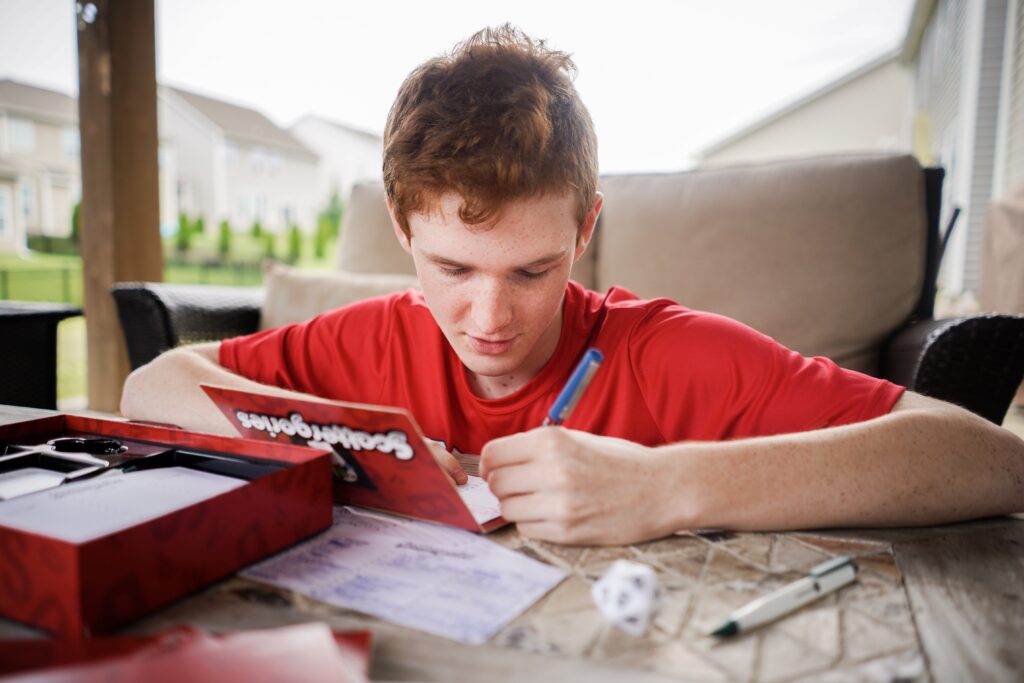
825,255
294,296
368,243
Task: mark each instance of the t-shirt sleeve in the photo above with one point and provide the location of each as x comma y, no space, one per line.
331,355
707,377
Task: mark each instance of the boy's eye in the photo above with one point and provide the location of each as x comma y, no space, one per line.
526,274
533,275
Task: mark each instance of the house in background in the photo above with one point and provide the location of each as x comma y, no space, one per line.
864,110
347,154
1010,125
218,160
40,165
235,164
967,111
40,171
953,94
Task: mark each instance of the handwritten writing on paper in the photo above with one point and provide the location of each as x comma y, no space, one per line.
437,579
477,496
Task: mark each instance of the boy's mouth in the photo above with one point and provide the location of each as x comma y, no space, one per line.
490,347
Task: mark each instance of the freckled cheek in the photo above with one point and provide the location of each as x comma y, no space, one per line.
538,306
449,303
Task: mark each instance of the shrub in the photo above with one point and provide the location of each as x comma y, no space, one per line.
183,240
257,230
333,212
76,222
268,245
52,245
294,243
224,240
323,232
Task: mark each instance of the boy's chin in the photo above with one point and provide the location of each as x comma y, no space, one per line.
490,365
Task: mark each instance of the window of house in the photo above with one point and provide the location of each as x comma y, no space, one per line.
258,160
243,208
27,202
164,156
231,154
70,144
275,162
260,206
5,211
23,135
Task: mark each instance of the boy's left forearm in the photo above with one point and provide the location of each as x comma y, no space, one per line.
926,464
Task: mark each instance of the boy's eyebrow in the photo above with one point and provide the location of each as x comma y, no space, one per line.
542,261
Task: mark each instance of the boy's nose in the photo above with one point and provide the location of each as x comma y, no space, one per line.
492,309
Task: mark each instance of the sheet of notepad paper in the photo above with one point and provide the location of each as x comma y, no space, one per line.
437,579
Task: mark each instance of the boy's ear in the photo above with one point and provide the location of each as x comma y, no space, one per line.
589,223
402,239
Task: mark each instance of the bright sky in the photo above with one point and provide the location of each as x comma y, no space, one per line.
662,79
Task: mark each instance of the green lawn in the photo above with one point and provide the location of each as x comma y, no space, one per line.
41,277
71,363
54,277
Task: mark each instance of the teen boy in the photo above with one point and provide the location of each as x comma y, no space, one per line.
490,167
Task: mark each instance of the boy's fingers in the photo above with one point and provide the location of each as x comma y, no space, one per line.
504,451
450,465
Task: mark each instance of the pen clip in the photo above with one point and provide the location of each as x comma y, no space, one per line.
832,565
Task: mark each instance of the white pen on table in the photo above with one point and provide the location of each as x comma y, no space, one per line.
822,579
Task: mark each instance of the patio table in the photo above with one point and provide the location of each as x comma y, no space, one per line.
942,603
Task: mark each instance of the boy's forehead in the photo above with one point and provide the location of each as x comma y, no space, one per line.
553,210
524,232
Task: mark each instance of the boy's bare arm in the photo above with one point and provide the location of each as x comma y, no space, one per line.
927,462
167,389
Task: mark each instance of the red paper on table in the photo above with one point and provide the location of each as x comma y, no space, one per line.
306,652
381,459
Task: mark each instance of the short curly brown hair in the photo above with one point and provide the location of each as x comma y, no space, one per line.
494,120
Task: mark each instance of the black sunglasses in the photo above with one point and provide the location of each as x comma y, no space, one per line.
93,445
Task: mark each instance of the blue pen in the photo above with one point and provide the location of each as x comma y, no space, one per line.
574,388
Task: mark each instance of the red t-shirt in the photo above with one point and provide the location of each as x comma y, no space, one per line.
670,374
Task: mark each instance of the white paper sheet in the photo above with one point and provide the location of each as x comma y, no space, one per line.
86,510
437,579
27,479
479,499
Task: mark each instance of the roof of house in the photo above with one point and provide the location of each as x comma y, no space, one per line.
242,123
920,14
39,101
373,137
800,102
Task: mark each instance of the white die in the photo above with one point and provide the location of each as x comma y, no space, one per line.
626,595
